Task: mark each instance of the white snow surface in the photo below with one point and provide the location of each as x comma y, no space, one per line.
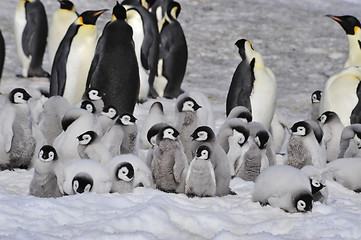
302,48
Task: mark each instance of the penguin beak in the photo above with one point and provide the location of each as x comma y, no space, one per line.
334,18
100,12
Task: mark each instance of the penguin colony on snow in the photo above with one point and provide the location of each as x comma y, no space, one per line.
86,138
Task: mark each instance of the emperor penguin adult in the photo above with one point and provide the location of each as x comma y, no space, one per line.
356,112
339,94
45,182
350,143
332,130
315,104
146,43
73,58
159,8
186,123
173,54
31,32
253,85
204,135
303,148
17,142
351,26
90,147
284,187
200,180
169,164
60,23
2,53
114,68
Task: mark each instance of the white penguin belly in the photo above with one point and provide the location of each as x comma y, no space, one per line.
160,82
263,98
79,59
20,23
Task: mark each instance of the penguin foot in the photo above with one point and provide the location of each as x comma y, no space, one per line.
232,192
19,75
38,73
190,195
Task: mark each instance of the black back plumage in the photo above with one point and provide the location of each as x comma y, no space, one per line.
2,53
356,112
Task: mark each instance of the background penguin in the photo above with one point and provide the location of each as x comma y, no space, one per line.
173,54
146,42
17,141
205,115
315,107
356,112
2,53
204,135
253,85
159,8
186,108
254,160
350,143
114,69
122,179
90,147
303,148
200,180
339,94
50,121
84,175
352,26
283,187
96,97
332,129
31,32
60,23
345,171
169,165
279,131
155,115
130,130
45,182
73,58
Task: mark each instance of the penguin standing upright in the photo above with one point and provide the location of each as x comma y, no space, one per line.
114,69
159,8
315,101
173,54
146,42
31,32
60,23
73,58
2,53
253,85
352,28
356,112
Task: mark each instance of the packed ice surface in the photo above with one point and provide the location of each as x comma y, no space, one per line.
302,48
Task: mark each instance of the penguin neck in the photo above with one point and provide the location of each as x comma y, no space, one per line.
354,54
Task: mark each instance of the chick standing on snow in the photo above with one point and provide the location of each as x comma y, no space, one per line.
130,129
350,143
186,115
315,107
205,135
200,179
45,182
17,137
283,187
169,164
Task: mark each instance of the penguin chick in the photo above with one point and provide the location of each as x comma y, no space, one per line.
350,143
127,172
315,107
130,129
108,117
200,179
284,187
186,108
169,164
155,115
88,105
204,135
332,129
45,182
240,112
90,147
17,141
254,160
95,96
318,186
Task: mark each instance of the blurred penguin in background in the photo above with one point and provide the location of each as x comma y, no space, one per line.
315,107
2,53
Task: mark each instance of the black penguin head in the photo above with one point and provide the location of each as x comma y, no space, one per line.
87,138
187,104
327,117
88,105
124,172
316,186
82,183
349,23
173,10
93,94
47,153
316,96
303,202
203,134
203,152
126,119
19,96
241,112
301,128
261,139
110,111
242,44
90,17
242,133
153,132
119,12
168,132
67,5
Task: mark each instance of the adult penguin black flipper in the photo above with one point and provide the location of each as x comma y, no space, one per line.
2,53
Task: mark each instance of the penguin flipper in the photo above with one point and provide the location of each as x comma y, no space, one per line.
179,166
94,64
27,37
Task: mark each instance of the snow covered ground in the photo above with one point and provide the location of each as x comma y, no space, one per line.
301,46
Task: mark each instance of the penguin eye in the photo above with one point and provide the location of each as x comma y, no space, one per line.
89,108
323,118
316,183
51,155
301,129
75,186
301,205
41,153
204,153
